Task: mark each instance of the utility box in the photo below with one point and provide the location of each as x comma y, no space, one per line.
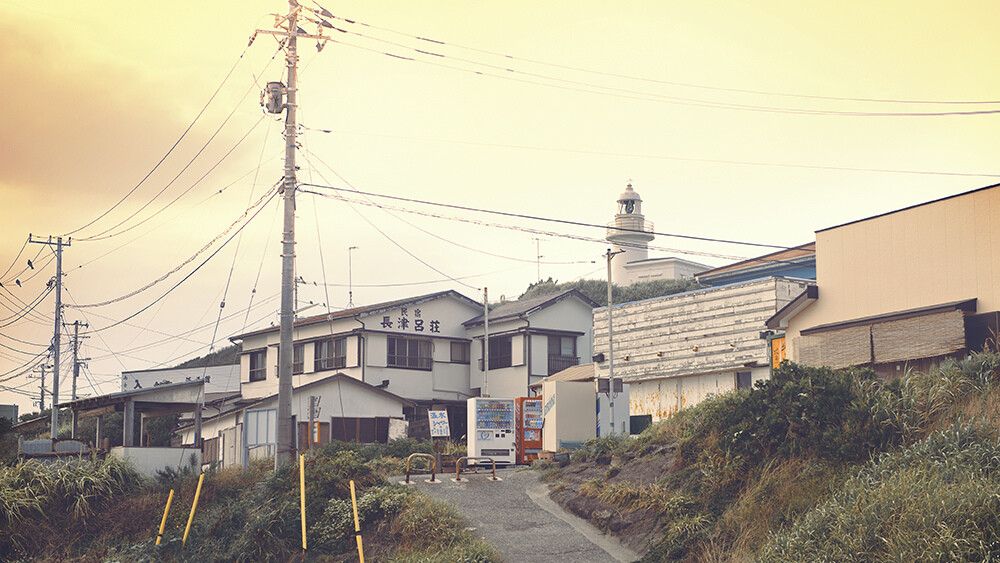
569,414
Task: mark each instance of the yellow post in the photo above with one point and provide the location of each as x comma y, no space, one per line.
357,526
194,505
302,496
163,522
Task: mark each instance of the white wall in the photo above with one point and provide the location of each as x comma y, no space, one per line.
150,460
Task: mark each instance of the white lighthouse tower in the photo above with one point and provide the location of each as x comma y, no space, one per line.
629,232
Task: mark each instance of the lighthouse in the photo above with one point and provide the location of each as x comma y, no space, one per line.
629,232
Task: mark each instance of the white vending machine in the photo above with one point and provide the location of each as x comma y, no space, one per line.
491,430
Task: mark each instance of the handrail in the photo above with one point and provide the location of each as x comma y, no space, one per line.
433,468
458,467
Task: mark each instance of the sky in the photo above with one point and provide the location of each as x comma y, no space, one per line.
135,132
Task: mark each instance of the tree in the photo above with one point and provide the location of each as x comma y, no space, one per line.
597,290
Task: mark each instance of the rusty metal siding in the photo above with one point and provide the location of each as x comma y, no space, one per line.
700,332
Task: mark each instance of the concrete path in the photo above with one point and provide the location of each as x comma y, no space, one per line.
517,517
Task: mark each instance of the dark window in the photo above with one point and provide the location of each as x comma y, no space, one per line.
298,358
500,352
562,353
330,354
460,352
743,380
258,365
408,353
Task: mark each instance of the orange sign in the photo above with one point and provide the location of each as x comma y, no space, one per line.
777,352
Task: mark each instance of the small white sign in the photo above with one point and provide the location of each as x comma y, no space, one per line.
439,424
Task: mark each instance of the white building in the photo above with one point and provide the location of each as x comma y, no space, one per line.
676,350
530,339
631,234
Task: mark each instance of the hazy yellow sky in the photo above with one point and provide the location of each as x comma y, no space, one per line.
543,108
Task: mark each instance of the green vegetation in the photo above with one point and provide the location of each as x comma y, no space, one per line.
821,465
597,290
223,357
103,510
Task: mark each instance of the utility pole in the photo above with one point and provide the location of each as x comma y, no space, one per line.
611,346
57,280
538,258
350,281
41,393
486,343
76,354
289,30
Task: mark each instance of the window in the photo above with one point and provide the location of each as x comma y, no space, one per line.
258,365
298,358
562,353
460,352
500,352
744,380
330,354
408,353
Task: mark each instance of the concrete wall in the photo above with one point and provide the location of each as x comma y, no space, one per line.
936,253
663,397
150,460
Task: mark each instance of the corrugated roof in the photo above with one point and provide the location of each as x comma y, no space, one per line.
782,255
528,306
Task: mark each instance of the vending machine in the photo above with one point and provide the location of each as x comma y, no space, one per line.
528,428
491,430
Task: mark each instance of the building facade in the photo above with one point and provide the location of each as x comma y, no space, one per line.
676,350
903,288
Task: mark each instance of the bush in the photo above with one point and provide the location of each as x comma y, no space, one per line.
937,500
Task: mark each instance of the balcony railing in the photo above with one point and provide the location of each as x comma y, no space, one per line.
630,226
559,363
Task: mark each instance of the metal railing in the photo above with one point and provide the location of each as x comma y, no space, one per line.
458,467
558,363
433,468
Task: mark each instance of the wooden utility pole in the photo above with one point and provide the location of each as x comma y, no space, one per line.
57,280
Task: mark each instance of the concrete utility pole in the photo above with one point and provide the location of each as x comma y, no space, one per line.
57,280
486,343
76,354
41,393
288,28
611,346
350,280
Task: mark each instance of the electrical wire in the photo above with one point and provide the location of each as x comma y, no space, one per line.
439,237
509,74
188,276
171,150
653,80
398,245
659,157
104,234
28,265
241,219
549,219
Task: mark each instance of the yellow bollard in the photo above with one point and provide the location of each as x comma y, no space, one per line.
163,522
302,496
357,527
194,505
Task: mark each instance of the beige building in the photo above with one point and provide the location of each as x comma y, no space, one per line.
903,288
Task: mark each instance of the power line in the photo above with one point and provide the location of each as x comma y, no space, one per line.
241,219
171,150
548,219
506,73
660,157
660,81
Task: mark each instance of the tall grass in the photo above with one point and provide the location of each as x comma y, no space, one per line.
63,492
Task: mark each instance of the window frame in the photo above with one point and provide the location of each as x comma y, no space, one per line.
335,359
257,362
417,353
298,358
464,355
501,351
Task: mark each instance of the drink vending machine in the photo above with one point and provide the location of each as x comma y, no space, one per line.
491,429
528,417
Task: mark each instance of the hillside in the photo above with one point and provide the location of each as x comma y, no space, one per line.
811,465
